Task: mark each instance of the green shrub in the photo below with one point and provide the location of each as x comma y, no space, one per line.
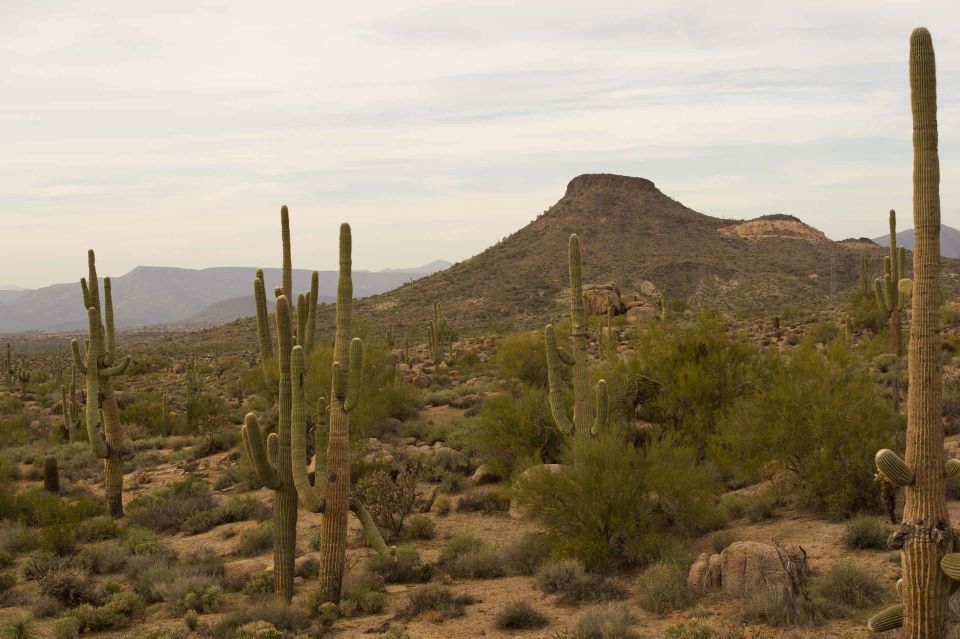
781,607
234,509
519,615
20,627
818,407
117,612
421,527
614,622
525,555
199,593
8,579
485,501
66,628
848,584
663,588
689,630
405,567
260,583
285,618
256,540
569,580
513,430
722,539
166,510
865,532
523,356
308,568
613,503
366,591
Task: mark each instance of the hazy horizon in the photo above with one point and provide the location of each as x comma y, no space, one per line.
170,135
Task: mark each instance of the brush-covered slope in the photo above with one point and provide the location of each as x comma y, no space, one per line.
630,232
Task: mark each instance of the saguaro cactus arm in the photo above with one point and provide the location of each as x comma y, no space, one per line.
602,408
263,322
355,380
257,452
555,382
313,297
310,493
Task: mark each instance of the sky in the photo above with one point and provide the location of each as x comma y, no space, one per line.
170,133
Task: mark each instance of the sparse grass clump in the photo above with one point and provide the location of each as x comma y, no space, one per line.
406,567
485,501
663,588
721,540
255,541
614,622
20,627
435,598
525,555
572,584
421,527
168,509
520,615
848,584
865,532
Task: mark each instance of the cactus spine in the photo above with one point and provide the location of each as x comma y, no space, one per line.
273,463
100,367
584,423
889,298
328,491
925,533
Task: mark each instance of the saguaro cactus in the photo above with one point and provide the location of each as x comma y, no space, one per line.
864,274
51,475
71,407
890,297
100,367
9,369
328,491
584,422
272,462
924,537
438,334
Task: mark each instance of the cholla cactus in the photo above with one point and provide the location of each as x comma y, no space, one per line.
100,366
328,491
272,462
584,422
925,537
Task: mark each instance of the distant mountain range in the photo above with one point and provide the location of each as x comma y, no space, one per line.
155,295
949,241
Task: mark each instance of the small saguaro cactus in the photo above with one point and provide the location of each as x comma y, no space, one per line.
438,334
71,406
272,462
925,538
100,366
864,274
328,490
9,369
891,296
584,422
51,475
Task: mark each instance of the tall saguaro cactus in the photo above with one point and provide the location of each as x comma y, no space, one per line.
890,298
438,334
584,423
328,491
924,537
273,463
100,367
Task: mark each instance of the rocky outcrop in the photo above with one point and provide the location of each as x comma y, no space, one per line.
747,567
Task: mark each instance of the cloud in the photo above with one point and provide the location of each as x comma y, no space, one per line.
170,134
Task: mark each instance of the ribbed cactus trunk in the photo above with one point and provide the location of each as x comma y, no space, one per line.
889,297
584,424
925,534
51,475
926,589
333,536
100,366
285,496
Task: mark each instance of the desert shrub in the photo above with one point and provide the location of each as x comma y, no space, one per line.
366,591
45,606
256,540
513,430
612,503
523,356
482,563
98,529
103,558
308,568
760,507
435,598
20,627
8,579
689,630
864,312
485,501
66,628
442,505
405,567
260,583
614,622
199,593
782,607
573,585
848,584
284,618
258,630
819,407
866,532
234,509
824,332
685,376
519,615
157,632
395,631
390,497
662,588
61,578
721,540
525,555
117,612
167,509
144,542
421,527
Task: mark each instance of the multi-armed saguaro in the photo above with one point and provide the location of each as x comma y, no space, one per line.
328,491
584,423
891,296
924,537
100,367
273,462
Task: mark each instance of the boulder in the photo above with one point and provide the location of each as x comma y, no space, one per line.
638,313
421,381
483,475
698,579
599,298
749,567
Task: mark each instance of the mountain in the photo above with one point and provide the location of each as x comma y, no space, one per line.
949,240
630,232
11,287
432,267
154,295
